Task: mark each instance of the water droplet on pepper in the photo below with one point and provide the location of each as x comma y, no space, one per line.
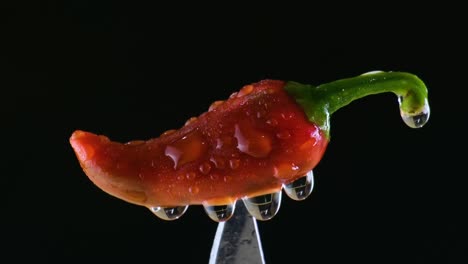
252,142
168,132
187,149
214,177
272,122
261,113
215,105
245,90
224,141
135,143
234,163
287,116
190,120
285,170
218,162
194,189
190,175
283,135
205,168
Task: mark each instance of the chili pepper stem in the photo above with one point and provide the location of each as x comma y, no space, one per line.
320,102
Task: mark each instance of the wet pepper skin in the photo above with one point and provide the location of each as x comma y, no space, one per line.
268,134
249,145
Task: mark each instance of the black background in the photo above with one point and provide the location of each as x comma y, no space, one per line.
384,192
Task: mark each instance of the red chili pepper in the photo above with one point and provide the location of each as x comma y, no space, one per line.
265,136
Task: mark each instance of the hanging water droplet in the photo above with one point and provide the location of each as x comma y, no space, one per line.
415,120
220,213
301,188
169,213
263,207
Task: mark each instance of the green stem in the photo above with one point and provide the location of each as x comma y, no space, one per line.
320,102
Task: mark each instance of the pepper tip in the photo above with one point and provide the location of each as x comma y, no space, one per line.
80,142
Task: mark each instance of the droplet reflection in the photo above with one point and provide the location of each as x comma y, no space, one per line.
220,213
301,188
415,120
169,213
263,207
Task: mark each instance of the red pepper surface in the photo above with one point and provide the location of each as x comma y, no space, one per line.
266,135
249,145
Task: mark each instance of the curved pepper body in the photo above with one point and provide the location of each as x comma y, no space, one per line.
251,144
268,134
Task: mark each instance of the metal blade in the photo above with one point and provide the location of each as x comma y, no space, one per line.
237,240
